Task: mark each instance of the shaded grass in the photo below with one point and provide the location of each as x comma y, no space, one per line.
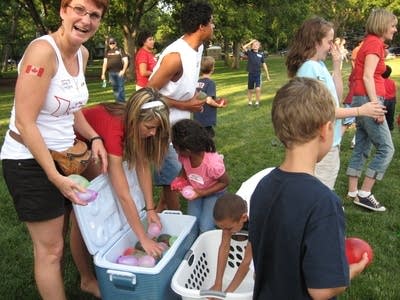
245,136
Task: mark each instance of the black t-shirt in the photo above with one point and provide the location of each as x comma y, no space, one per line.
254,61
297,233
114,59
208,117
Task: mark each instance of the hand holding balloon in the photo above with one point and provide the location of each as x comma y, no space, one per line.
82,181
355,248
189,193
153,230
178,183
87,196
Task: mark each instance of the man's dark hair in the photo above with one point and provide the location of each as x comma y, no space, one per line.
195,14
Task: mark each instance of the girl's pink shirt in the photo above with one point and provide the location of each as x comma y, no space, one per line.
206,175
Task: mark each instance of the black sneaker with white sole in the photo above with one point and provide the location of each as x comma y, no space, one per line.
369,202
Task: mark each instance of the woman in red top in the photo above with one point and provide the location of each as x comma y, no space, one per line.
144,58
390,97
135,133
369,86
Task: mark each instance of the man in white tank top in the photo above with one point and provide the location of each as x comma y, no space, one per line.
175,75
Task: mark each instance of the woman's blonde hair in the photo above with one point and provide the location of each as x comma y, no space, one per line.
379,21
207,65
154,148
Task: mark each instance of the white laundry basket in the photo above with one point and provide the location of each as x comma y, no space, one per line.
196,273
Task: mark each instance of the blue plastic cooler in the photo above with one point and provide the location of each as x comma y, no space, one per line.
106,233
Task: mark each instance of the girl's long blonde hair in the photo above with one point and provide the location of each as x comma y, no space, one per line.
154,148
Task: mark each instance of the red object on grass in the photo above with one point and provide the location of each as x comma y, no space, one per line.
355,248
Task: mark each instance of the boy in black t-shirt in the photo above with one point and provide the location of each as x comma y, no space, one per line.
255,59
208,117
297,227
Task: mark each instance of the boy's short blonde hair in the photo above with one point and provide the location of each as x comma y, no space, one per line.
299,109
207,65
379,21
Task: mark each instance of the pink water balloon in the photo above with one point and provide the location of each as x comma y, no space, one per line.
147,261
188,192
87,196
153,230
129,260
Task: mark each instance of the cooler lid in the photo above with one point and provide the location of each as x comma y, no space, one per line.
102,222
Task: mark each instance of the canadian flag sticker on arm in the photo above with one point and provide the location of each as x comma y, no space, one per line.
33,70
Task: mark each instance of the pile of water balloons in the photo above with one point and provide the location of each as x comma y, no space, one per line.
136,256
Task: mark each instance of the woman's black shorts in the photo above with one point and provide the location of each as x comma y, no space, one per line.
35,197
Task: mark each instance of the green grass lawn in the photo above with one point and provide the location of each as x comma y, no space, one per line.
245,136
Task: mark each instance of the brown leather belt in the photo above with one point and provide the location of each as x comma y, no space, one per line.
16,137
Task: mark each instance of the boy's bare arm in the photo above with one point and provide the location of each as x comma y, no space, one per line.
325,294
354,270
266,71
223,252
245,47
242,270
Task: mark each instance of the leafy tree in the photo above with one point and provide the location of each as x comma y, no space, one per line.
273,22
236,22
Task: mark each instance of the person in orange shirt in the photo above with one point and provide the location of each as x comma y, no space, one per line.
145,59
390,97
347,122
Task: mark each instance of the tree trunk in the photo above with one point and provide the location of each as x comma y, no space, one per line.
130,48
7,47
236,55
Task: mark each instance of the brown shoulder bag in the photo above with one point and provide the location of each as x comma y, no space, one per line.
74,160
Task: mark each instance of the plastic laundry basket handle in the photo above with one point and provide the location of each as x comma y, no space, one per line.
171,212
213,294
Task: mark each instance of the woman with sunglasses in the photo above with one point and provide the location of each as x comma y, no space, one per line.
115,63
49,94
135,133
